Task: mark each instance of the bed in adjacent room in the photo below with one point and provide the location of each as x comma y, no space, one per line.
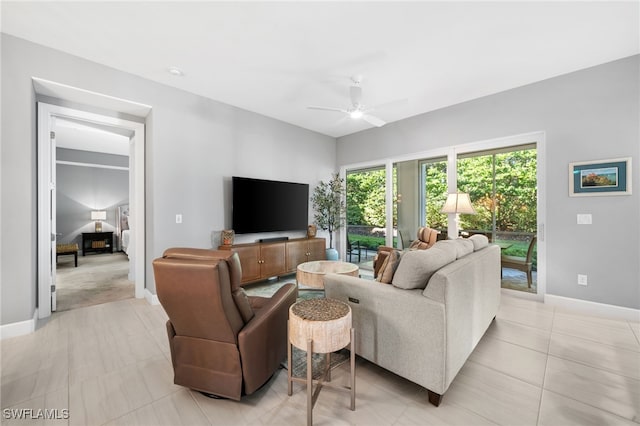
123,228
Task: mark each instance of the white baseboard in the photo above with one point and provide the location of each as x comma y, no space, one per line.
593,308
21,328
152,299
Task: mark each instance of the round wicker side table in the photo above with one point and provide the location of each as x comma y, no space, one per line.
320,326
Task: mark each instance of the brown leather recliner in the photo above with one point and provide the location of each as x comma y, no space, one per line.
427,237
222,341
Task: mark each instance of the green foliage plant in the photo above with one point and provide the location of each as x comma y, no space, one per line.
328,205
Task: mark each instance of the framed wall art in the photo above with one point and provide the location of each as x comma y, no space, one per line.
602,177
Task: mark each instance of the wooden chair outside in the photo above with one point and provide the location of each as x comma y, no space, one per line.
523,264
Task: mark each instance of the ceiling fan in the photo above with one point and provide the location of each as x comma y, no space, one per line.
357,110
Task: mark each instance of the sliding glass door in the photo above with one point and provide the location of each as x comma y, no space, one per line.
502,179
502,185
366,214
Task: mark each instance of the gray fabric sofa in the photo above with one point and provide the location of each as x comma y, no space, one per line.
425,334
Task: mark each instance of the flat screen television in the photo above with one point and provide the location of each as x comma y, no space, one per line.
268,206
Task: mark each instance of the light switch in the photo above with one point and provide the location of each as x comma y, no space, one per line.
584,219
582,279
178,218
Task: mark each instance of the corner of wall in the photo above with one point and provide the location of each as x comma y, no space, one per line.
20,328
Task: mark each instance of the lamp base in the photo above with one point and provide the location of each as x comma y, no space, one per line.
98,226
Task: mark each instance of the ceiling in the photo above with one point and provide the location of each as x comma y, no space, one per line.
277,58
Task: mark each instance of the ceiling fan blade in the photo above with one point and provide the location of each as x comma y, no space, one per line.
373,120
327,108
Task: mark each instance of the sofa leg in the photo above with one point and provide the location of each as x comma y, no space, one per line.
434,398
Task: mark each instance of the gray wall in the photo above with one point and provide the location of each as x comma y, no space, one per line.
587,115
193,146
81,189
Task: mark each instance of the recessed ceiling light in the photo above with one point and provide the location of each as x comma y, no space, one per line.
175,71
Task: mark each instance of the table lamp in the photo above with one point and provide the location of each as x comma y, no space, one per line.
98,216
457,203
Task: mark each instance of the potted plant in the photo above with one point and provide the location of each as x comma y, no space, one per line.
329,207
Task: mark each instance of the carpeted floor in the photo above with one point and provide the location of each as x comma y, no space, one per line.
99,278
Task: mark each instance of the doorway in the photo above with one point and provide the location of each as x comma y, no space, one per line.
47,116
92,195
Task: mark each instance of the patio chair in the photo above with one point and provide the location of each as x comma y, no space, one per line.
523,264
353,249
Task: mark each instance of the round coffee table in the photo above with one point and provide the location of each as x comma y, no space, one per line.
311,274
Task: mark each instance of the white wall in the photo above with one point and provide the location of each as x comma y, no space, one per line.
587,115
81,189
194,145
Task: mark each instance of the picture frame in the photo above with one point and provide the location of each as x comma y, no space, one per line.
600,178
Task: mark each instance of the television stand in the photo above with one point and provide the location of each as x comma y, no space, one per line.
263,260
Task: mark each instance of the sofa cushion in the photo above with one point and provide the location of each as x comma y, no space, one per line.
479,241
464,247
461,246
416,267
389,267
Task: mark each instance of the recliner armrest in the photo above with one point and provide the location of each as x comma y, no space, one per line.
263,340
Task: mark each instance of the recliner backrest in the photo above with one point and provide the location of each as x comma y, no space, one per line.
194,287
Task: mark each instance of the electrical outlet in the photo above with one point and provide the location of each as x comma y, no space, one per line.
178,218
584,219
582,279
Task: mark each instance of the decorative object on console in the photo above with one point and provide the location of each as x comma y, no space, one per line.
227,237
98,216
598,178
329,207
312,230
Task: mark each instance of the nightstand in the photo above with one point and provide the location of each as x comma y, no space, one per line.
97,242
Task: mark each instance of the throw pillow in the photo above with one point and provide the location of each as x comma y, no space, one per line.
417,267
242,303
418,245
479,241
389,266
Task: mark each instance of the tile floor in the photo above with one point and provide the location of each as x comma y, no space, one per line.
110,365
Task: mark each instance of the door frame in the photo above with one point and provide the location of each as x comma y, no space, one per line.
46,116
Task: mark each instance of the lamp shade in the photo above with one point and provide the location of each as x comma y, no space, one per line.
98,215
458,203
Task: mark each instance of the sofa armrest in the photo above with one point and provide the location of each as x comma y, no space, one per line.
263,340
469,289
